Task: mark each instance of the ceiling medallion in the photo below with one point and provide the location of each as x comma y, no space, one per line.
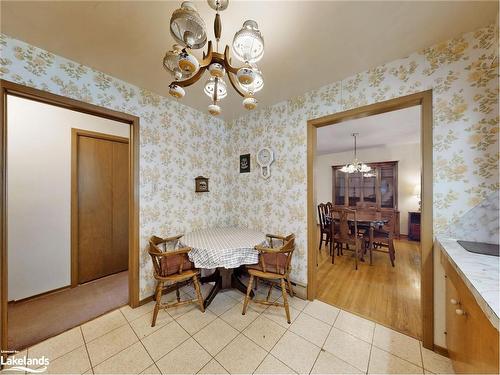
189,31
356,166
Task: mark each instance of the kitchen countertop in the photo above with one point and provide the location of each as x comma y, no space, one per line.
481,274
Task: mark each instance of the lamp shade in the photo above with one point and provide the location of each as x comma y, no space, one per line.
187,27
248,44
211,85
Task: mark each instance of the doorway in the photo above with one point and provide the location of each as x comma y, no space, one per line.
101,280
99,203
424,100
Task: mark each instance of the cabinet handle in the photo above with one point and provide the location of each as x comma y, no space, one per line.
460,312
453,301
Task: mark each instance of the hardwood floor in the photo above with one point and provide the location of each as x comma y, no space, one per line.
389,296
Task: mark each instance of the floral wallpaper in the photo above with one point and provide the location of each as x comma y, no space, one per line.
178,143
463,73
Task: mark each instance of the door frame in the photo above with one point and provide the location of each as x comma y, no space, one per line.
424,99
14,89
75,133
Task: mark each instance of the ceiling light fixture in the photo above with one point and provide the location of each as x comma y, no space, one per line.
189,31
356,166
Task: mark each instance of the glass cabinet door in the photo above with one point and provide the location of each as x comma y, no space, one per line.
340,182
387,180
370,188
354,187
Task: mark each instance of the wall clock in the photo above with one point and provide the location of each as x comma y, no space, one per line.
265,157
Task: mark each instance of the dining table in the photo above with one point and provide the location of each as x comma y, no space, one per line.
226,250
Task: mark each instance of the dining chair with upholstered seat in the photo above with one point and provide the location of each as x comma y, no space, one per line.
382,237
342,233
171,265
274,264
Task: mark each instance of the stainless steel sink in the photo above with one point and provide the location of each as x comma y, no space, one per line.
481,248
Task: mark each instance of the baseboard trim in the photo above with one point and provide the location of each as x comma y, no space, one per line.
440,350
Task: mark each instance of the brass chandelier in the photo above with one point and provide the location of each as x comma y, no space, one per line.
189,31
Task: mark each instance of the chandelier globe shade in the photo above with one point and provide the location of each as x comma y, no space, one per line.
216,70
215,85
256,85
355,166
248,43
187,27
189,32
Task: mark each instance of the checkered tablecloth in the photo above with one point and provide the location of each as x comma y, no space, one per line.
223,247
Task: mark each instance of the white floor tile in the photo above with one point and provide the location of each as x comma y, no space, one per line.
264,332
272,365
164,340
241,356
238,321
348,348
57,346
215,336
358,327
382,362
102,325
436,363
187,358
195,320
310,328
322,311
296,352
329,364
396,343
132,360
111,343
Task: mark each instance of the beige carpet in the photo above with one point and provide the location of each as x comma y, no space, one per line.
35,320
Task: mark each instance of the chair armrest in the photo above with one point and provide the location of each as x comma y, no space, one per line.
174,238
276,236
181,251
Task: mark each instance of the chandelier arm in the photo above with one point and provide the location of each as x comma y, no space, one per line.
227,62
193,79
234,84
207,58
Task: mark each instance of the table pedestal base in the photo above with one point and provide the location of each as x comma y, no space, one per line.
224,279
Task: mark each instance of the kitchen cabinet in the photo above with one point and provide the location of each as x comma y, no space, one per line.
471,339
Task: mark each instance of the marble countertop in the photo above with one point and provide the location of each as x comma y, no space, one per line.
481,274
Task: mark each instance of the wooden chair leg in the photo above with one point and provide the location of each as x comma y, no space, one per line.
356,255
177,293
247,297
285,300
159,290
391,252
197,290
256,283
269,292
292,293
320,240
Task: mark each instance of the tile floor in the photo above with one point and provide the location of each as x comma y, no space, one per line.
322,339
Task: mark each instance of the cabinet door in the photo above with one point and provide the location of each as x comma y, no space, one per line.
455,329
387,185
339,187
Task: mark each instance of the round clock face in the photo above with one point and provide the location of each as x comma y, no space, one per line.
265,157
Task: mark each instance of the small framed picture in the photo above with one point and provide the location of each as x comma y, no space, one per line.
245,163
201,184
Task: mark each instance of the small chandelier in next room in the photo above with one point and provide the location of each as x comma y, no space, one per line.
189,31
355,166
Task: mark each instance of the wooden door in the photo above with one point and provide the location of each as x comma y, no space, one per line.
102,198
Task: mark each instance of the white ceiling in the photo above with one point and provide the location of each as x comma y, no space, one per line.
396,127
307,43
